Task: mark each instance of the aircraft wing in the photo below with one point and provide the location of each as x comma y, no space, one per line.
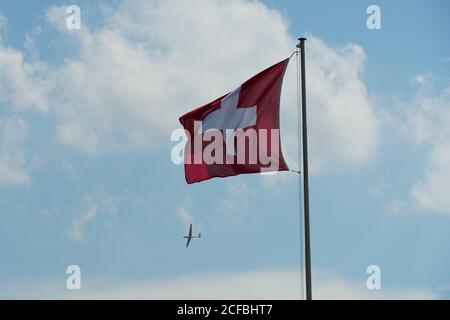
188,241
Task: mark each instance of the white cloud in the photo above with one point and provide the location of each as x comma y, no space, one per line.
336,287
423,80
396,206
238,196
384,190
427,116
343,123
344,126
30,42
13,135
94,203
56,16
381,189
76,230
3,21
149,63
272,284
427,124
23,84
185,216
432,191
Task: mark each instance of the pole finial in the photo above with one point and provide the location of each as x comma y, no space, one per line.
301,39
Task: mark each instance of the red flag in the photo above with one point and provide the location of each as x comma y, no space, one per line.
237,133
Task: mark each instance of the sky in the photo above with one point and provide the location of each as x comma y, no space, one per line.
86,176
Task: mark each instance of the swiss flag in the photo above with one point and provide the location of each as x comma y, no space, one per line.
237,133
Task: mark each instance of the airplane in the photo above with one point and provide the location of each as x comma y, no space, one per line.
190,236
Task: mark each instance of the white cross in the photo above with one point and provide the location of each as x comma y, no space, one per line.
229,116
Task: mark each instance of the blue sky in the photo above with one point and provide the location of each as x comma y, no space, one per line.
86,176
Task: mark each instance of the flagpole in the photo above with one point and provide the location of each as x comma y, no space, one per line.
301,46
301,234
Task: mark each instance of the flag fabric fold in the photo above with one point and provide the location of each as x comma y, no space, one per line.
238,133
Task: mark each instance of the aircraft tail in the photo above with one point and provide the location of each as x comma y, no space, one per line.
200,235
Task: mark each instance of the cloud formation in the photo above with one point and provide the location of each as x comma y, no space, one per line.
129,79
149,63
432,191
254,285
13,135
426,122
237,197
185,216
344,125
23,84
94,203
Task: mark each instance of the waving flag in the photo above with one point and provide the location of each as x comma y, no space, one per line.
237,133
